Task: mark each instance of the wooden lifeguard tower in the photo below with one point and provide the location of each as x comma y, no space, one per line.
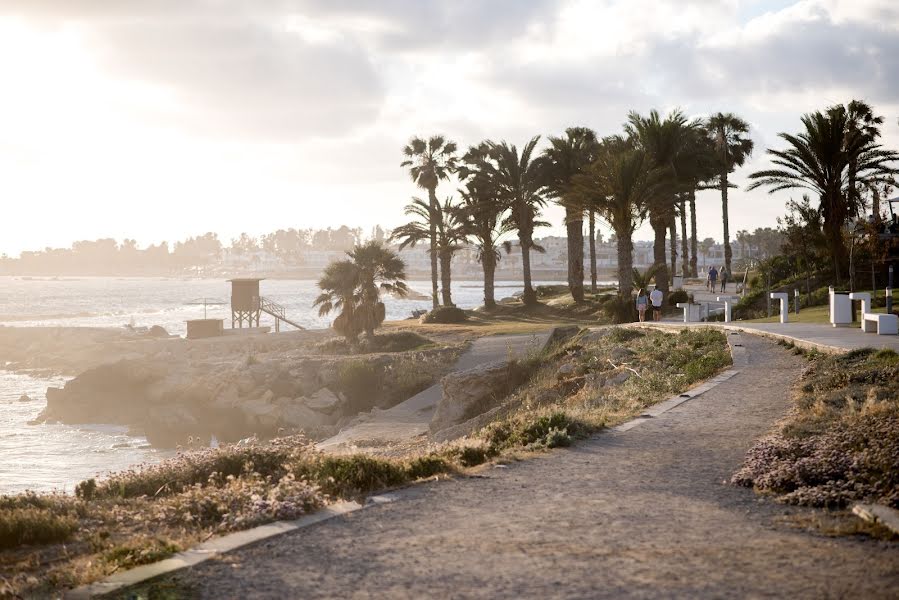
245,302
247,305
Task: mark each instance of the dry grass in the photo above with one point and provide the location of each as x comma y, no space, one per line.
840,443
602,379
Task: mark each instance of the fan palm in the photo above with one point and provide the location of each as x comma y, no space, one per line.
728,135
862,129
429,163
817,159
566,157
668,143
450,236
353,287
516,180
621,182
481,215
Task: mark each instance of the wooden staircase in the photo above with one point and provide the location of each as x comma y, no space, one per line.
276,310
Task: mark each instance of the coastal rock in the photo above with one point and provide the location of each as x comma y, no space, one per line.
158,332
618,378
620,353
467,394
24,398
324,400
566,370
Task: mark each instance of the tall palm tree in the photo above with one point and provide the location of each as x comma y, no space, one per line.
450,236
565,157
517,180
862,128
429,163
668,143
623,183
481,214
728,135
817,159
353,287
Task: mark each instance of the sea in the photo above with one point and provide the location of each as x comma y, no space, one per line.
55,457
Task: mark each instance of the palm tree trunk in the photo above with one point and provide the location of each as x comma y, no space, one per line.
435,208
592,251
659,228
488,262
529,297
446,259
694,270
724,218
574,223
672,226
684,250
625,265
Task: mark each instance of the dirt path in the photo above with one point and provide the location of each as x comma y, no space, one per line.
410,419
642,513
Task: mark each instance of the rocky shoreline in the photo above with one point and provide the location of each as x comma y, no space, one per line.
176,391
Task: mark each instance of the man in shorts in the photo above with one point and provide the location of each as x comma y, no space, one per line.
656,297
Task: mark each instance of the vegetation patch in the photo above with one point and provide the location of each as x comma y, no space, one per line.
394,341
840,443
445,314
599,379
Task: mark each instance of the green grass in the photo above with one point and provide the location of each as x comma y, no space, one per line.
814,314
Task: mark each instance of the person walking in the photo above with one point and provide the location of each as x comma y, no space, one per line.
642,304
656,296
723,275
708,280
713,279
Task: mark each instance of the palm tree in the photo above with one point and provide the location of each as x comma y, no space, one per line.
623,182
353,287
516,180
450,236
668,143
429,163
481,215
817,159
704,247
732,148
566,157
862,128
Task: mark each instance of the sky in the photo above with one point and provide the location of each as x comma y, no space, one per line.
160,120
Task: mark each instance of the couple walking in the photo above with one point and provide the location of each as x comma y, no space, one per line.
714,275
655,297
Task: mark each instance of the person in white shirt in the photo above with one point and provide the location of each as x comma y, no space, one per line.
656,297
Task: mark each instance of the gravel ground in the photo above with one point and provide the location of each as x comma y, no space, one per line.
643,513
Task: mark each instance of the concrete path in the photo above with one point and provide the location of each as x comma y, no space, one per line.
822,337
410,419
643,513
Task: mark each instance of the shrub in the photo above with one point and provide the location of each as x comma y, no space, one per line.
619,310
621,335
445,315
129,555
30,525
678,296
360,382
426,466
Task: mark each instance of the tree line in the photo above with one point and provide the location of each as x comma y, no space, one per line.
650,171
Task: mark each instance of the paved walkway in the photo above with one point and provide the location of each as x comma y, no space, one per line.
642,513
823,336
410,419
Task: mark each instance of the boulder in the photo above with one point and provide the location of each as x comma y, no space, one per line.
467,394
24,398
296,414
566,370
158,332
618,378
325,401
620,353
